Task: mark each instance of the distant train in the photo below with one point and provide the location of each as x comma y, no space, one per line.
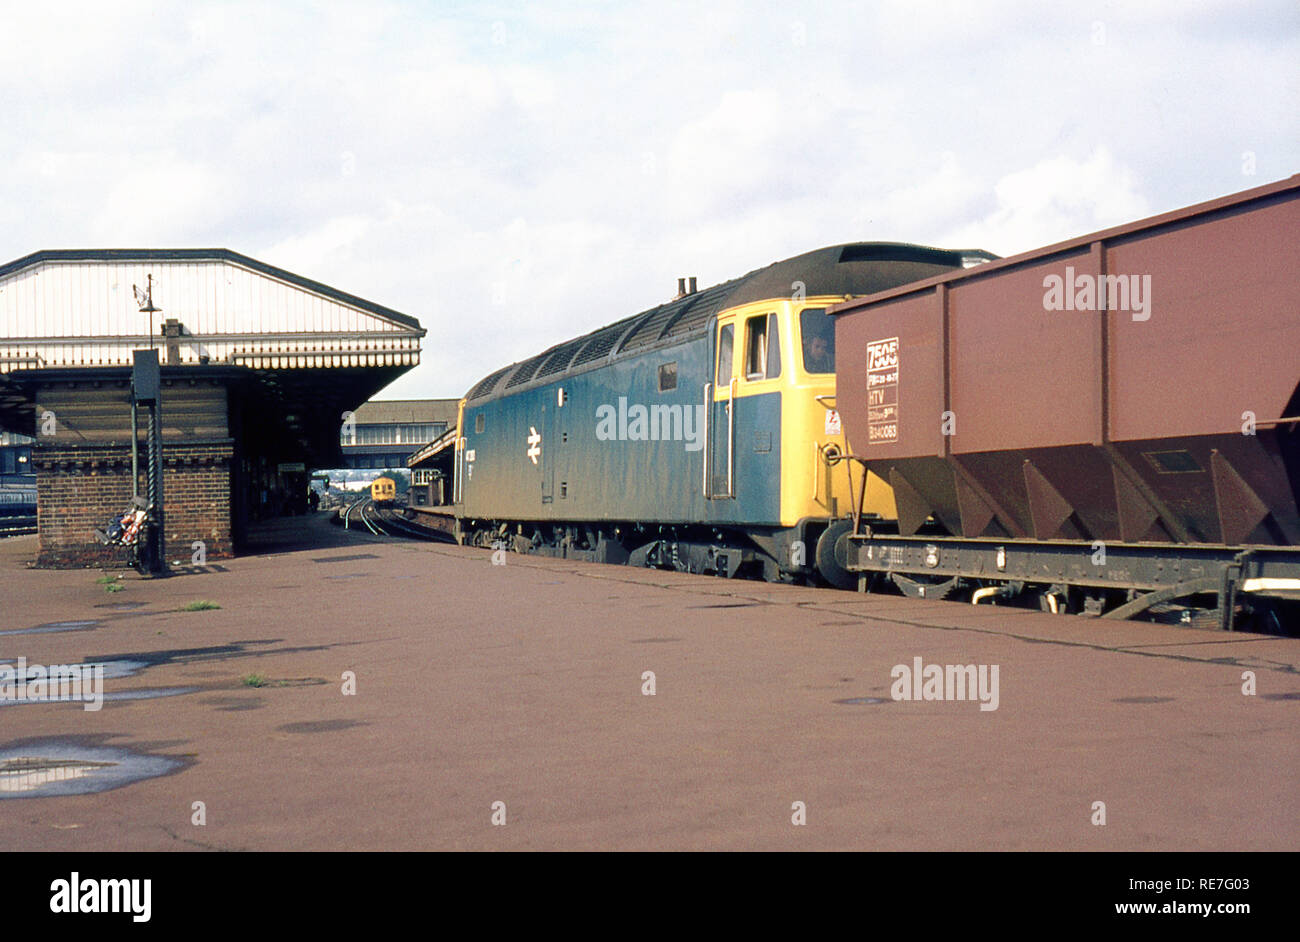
17,500
700,435
383,491
17,481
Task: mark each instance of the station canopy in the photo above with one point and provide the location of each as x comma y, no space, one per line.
302,351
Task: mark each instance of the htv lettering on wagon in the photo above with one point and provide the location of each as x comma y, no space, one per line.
882,390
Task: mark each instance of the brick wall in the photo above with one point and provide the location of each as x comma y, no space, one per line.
77,490
80,487
196,495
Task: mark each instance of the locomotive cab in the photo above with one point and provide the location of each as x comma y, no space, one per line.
772,420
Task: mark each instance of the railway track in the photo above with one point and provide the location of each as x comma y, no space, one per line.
382,522
353,513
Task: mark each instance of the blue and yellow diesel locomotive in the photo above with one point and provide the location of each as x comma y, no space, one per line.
700,435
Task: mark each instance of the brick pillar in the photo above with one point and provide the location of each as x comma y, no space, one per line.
80,487
196,487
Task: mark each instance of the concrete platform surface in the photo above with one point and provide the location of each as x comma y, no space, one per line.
508,707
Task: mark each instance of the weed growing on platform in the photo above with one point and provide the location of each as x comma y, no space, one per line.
110,583
199,606
254,680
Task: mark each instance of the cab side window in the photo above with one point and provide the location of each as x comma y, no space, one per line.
818,335
762,348
773,348
725,342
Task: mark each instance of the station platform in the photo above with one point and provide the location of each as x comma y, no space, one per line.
527,684
310,531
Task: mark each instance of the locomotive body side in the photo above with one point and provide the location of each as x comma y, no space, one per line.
580,449
612,446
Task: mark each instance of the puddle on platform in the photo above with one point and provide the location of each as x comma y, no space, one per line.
150,693
862,701
112,670
52,627
234,704
61,767
120,668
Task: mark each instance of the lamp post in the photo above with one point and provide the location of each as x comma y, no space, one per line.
146,389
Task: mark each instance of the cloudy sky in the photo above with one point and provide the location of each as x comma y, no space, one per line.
513,174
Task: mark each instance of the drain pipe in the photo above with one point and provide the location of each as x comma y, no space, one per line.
985,593
135,448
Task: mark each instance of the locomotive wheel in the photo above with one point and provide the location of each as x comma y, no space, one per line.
830,564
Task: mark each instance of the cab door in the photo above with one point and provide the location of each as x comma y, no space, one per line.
720,414
543,437
760,377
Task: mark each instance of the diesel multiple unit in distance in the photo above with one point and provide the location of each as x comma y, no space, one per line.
700,435
383,491
1108,425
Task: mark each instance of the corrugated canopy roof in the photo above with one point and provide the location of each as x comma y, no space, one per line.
302,348
435,449
80,308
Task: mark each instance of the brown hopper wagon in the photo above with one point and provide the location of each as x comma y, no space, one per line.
1107,425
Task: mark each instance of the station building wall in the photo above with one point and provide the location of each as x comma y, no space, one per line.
79,488
82,458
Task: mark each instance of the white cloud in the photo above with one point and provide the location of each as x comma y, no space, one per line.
322,247
1054,200
517,175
